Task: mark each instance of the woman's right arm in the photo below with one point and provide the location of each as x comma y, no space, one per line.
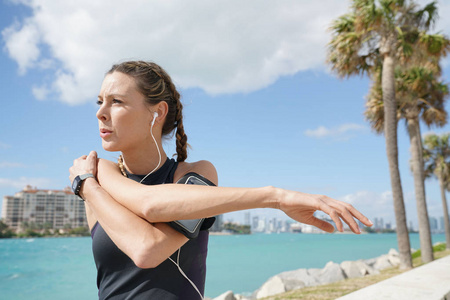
169,202
146,244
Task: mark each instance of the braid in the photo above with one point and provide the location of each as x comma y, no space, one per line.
181,137
156,85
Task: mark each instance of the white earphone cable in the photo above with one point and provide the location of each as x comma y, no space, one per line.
157,147
184,275
179,250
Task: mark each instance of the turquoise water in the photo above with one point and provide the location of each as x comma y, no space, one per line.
63,268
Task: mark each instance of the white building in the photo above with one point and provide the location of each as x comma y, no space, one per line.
56,209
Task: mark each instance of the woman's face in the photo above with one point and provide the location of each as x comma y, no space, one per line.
124,118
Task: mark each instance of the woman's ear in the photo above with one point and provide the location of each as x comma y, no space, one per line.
162,109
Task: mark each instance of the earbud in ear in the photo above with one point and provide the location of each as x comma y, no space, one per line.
155,115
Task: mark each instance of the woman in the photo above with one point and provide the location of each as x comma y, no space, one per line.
137,253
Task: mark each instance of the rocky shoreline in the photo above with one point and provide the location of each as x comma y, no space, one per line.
332,272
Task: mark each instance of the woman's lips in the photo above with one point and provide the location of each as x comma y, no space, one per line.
105,133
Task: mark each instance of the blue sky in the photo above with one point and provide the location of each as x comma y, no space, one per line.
259,100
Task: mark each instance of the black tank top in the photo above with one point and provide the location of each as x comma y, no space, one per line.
119,278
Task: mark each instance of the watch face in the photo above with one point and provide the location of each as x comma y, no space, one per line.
74,184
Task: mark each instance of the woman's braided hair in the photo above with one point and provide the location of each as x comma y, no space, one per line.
156,85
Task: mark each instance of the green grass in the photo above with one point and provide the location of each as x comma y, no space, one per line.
436,248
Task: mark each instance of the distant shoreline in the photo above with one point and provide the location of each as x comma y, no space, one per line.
222,233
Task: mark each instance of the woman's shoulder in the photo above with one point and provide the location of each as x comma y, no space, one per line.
202,167
105,166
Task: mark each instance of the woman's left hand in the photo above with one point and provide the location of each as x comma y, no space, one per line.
84,164
301,207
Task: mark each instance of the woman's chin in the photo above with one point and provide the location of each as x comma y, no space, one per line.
110,147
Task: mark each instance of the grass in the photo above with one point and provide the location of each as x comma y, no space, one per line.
341,288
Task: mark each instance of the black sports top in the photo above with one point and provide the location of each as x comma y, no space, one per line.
119,278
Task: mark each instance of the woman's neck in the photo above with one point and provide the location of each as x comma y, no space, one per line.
144,161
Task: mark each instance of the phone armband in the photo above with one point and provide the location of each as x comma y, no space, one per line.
190,228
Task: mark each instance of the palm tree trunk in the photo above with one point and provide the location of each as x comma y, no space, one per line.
390,133
419,187
445,208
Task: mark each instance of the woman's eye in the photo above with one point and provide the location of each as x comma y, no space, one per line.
116,101
99,102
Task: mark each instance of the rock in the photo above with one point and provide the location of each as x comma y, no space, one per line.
357,269
351,269
382,262
287,281
240,297
331,273
393,252
395,261
226,296
371,261
297,279
367,269
394,258
314,272
273,286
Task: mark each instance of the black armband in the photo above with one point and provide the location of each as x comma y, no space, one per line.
191,228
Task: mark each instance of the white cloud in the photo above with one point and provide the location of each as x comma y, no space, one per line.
342,132
22,182
40,92
219,46
223,46
23,44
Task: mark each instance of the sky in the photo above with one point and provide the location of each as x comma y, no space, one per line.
260,102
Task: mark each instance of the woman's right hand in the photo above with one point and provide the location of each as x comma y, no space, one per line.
84,164
302,206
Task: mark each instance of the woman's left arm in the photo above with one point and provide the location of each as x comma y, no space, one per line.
169,202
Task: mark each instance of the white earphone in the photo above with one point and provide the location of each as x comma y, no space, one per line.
155,115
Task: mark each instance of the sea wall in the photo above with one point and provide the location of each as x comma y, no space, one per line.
332,272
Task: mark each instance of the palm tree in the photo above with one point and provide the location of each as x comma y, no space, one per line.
376,34
437,163
420,95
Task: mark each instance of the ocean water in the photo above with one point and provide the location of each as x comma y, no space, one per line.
63,268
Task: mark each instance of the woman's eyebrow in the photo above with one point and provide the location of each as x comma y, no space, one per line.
111,95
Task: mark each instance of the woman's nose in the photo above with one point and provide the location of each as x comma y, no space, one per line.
102,113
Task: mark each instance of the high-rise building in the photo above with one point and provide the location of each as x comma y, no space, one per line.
255,223
247,218
433,224
56,209
261,225
218,224
388,225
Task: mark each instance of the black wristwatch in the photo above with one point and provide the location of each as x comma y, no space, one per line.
78,181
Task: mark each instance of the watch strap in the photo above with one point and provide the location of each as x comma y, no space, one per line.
79,181
85,176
